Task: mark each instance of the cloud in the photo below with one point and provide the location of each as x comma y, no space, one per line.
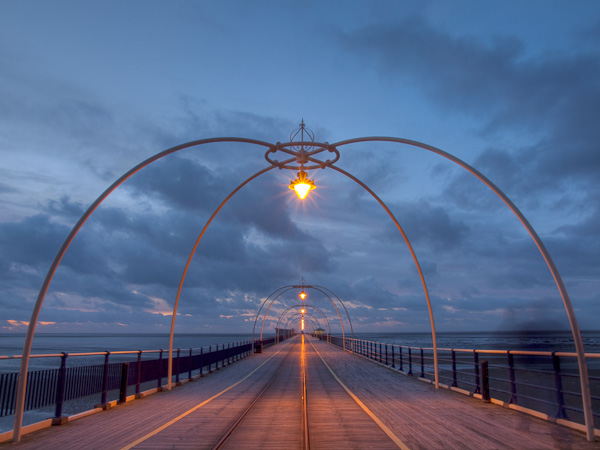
506,86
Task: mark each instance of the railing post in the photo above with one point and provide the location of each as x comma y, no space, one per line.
454,381
201,361
190,366
123,386
476,367
393,358
386,355
513,384
178,367
400,358
217,357
422,365
410,361
380,353
159,374
560,400
105,381
138,382
60,391
485,382
210,357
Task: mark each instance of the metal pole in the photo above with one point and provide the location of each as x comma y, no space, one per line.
417,265
189,261
22,385
581,361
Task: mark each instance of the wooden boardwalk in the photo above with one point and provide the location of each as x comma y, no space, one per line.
417,416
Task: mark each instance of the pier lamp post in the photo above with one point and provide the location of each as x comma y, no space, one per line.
301,156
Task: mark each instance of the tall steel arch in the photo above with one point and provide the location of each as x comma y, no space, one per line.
301,154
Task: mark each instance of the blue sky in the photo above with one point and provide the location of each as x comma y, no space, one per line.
90,89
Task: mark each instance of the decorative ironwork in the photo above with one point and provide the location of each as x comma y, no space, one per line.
303,151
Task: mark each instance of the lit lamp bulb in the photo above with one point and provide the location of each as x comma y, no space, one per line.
302,295
302,185
302,311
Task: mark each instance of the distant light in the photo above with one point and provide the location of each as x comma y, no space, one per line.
302,310
302,324
302,295
302,185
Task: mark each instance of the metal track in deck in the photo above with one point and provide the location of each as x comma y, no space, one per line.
198,414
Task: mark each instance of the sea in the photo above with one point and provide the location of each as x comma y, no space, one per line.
12,344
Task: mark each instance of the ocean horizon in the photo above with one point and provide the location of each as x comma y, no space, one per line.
47,343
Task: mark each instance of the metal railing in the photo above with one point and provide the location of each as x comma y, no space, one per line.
111,379
546,382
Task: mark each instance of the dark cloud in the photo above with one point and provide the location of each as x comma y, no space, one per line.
33,241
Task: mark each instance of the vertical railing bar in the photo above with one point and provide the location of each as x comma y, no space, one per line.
454,374
560,400
159,364
60,387
513,384
476,368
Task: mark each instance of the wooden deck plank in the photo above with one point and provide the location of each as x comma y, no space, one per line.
420,416
335,419
425,418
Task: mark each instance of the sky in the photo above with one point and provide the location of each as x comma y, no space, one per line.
90,89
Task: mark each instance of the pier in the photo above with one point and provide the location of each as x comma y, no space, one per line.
300,394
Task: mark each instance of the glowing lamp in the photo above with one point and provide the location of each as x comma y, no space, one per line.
302,310
302,185
302,295
302,324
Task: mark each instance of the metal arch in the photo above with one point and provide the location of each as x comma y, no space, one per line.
308,306
295,321
267,311
295,287
341,302
294,317
581,361
336,309
187,266
290,287
584,378
265,301
307,287
318,288
416,262
22,384
305,306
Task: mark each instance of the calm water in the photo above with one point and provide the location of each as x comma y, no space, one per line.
12,344
535,340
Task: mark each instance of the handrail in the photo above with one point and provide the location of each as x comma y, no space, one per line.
509,376
47,386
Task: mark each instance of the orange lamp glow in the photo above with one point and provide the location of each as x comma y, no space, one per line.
302,185
302,310
302,295
302,324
